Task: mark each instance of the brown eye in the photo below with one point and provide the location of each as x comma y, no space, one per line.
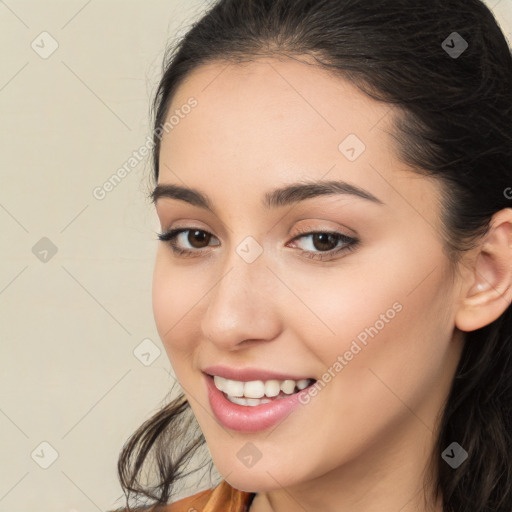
196,237
324,245
324,241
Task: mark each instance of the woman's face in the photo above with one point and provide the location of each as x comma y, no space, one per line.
372,322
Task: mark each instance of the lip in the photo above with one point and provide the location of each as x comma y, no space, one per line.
248,374
250,418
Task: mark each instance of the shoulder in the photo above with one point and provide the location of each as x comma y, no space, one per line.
222,498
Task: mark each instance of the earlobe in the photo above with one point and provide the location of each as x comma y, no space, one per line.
488,292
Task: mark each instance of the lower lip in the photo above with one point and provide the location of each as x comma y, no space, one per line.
246,418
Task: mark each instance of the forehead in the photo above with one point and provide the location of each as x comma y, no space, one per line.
268,108
267,122
268,95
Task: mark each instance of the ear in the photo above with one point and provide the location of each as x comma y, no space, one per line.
487,287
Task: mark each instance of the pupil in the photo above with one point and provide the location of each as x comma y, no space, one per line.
323,238
194,235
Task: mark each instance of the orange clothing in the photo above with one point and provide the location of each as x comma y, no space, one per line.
222,498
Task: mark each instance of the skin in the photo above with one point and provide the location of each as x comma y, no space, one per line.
363,442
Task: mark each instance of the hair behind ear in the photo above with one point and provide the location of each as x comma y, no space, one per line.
478,416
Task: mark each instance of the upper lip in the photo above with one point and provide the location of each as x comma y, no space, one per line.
249,373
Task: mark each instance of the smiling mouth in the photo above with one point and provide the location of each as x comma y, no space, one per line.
258,392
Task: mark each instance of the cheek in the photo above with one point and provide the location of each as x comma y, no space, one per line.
172,303
162,299
166,312
391,319
179,299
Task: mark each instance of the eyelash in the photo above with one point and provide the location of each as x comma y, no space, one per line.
350,243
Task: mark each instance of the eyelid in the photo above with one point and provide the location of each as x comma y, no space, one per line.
308,230
297,232
325,256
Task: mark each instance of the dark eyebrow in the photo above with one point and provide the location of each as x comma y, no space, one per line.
283,196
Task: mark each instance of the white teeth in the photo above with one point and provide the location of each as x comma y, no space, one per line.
248,401
250,393
254,389
257,401
219,382
272,388
288,386
303,383
230,387
236,400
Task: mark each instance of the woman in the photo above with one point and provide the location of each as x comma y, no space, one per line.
332,287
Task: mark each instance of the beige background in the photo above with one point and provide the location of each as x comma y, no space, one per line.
73,326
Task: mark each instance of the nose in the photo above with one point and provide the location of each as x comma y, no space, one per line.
243,305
